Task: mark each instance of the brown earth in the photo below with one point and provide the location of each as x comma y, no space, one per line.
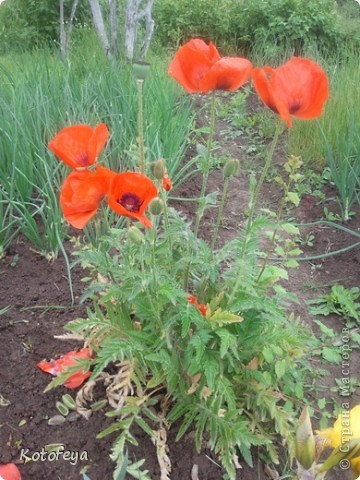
39,301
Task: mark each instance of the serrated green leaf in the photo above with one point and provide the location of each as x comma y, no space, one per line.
331,355
329,332
293,197
280,368
222,317
268,354
290,228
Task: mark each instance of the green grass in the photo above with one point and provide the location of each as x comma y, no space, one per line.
305,138
39,95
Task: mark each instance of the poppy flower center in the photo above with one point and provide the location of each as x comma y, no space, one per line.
82,159
295,106
130,202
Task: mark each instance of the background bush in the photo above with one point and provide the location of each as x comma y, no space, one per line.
243,25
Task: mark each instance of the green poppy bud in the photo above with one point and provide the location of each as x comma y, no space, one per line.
156,206
141,70
158,168
231,167
304,441
135,235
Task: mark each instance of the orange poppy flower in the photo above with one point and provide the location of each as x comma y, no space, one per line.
54,367
82,192
79,145
130,194
200,306
9,471
299,88
166,182
198,67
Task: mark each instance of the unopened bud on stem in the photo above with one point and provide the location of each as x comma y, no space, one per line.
231,167
158,168
135,235
304,441
156,206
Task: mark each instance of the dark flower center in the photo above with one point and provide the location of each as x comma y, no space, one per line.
82,159
130,202
295,106
223,84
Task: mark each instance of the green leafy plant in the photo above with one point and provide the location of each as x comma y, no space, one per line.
341,300
182,330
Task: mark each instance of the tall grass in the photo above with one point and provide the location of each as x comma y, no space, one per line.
39,95
305,138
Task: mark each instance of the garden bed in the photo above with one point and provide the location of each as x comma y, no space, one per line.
38,296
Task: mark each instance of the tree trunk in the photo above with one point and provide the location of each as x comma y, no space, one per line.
71,24
65,35
149,28
132,19
100,26
62,30
113,28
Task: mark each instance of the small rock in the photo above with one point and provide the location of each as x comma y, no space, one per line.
56,420
72,417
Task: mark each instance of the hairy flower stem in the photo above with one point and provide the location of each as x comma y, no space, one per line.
253,202
140,139
273,237
206,172
220,212
207,164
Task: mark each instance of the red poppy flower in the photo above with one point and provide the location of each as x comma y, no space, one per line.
130,194
79,145
61,365
198,67
166,182
300,88
9,471
82,192
200,306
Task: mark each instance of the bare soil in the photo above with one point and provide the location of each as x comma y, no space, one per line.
37,293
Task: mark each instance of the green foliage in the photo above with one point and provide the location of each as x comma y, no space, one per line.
39,95
29,24
344,164
267,26
227,372
178,22
292,25
341,301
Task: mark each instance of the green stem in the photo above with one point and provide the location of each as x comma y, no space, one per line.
140,83
220,212
206,172
272,240
253,203
207,163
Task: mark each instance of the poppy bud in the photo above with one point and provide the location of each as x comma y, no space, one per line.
135,235
305,442
156,206
158,168
141,69
231,167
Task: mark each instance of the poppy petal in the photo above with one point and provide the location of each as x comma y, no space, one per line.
191,62
130,194
97,141
55,367
226,74
81,194
298,88
9,471
78,146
